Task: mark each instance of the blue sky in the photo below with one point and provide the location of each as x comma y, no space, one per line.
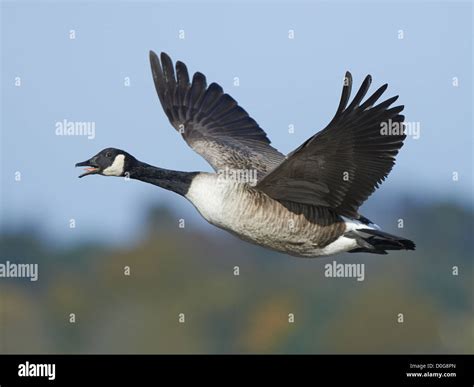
282,82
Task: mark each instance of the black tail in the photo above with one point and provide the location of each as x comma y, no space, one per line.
377,242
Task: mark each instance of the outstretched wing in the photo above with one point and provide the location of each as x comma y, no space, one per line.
210,121
343,164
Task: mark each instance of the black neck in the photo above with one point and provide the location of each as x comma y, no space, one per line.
175,181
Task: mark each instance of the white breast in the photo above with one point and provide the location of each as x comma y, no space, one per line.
208,194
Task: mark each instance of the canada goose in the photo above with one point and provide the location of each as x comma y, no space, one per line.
305,204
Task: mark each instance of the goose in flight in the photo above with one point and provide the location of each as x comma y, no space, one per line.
304,204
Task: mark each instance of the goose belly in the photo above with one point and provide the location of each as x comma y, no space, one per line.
254,217
287,232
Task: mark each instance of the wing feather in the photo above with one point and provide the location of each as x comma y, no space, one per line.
342,165
210,121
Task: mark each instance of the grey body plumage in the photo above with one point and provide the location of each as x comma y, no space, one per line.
305,204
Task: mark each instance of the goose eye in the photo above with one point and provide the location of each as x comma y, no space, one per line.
108,154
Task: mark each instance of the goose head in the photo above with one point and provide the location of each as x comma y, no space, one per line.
108,162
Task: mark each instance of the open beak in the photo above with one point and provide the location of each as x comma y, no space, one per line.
91,167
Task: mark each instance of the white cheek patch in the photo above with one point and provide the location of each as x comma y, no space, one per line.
116,169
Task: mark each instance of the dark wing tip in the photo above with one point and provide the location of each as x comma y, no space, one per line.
374,97
154,59
215,87
347,81
363,89
165,57
198,76
166,62
345,95
396,109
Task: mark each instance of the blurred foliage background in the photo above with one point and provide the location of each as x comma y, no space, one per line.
190,270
